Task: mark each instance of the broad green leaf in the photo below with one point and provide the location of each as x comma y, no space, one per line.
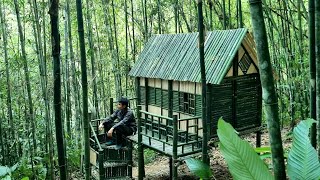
243,162
199,168
266,149
4,170
303,160
25,178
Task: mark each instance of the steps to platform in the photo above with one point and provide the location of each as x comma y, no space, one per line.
117,164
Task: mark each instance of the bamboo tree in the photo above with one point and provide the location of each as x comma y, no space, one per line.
113,51
127,47
312,66
3,161
119,87
159,16
9,99
229,14
30,115
205,157
240,14
84,90
133,34
317,43
224,14
145,18
176,16
268,88
49,139
66,79
101,69
55,40
76,94
210,8
93,60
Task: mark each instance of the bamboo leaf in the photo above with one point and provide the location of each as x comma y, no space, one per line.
242,160
303,160
199,168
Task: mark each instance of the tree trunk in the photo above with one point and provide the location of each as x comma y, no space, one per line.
93,60
205,157
66,79
55,40
312,66
113,52
240,14
84,91
268,88
317,43
47,100
118,71
9,101
30,115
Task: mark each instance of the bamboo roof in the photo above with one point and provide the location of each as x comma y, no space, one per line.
176,56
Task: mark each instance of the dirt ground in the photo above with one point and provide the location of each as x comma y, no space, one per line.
159,168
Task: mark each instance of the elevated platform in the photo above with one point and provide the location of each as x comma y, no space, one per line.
166,148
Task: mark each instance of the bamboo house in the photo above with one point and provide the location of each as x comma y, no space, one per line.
231,72
169,97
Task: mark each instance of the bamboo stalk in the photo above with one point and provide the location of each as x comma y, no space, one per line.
84,82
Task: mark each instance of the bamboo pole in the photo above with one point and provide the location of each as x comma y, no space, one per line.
54,16
312,66
205,157
175,148
84,82
317,44
269,93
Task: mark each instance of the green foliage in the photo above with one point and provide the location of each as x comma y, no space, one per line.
149,156
24,170
303,160
74,154
243,161
266,149
199,168
265,152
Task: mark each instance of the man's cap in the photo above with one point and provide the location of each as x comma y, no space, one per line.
123,101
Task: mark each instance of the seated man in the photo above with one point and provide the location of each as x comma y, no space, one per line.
126,125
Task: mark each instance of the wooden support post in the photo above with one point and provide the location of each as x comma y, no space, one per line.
170,99
138,91
146,85
175,148
259,115
101,168
161,100
141,157
171,167
209,109
140,147
258,139
130,148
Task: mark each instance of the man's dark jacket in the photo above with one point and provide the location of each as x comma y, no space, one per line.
125,117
